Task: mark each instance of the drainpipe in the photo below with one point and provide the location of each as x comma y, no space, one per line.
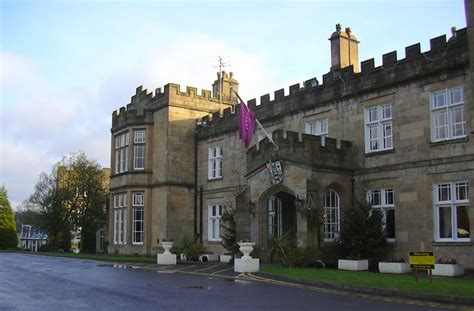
352,191
200,211
195,183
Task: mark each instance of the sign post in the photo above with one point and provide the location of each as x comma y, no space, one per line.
422,261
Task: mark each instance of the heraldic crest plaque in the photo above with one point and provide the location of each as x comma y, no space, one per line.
275,171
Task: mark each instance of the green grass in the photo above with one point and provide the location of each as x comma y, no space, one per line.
461,287
100,257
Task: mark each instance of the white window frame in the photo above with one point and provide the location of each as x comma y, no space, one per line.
138,203
451,201
121,152
443,104
215,162
384,204
139,140
274,221
120,219
330,222
214,216
319,127
378,127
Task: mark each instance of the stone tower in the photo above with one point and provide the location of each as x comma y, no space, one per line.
344,49
228,82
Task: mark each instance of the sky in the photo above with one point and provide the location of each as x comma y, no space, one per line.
65,66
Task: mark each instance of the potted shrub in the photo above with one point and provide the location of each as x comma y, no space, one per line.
448,267
362,237
396,266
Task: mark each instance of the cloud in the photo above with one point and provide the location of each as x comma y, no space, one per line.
42,122
192,60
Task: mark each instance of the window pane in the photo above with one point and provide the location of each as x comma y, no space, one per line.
461,191
373,114
444,192
389,196
456,95
462,217
387,132
458,123
445,228
440,99
375,197
390,223
387,111
441,124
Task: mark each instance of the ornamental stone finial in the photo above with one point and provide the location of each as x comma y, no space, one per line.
338,27
348,31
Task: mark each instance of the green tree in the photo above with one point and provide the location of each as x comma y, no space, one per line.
54,217
229,233
72,197
85,190
8,237
362,235
27,214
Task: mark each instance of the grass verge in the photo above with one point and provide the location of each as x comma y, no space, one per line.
459,287
100,257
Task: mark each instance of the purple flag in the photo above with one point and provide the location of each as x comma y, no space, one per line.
246,124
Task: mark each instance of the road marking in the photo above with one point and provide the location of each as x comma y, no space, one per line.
207,268
181,269
250,276
227,269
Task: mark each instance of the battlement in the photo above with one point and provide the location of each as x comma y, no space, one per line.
144,102
345,83
307,149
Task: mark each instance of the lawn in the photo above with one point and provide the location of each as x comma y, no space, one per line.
461,287
100,257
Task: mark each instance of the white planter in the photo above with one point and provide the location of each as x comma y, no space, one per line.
394,267
246,248
225,258
166,258
167,245
353,265
448,270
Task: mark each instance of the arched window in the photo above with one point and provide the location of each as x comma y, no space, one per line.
331,215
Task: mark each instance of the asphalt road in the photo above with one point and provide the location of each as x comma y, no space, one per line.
31,282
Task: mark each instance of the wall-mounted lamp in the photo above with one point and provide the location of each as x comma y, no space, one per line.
298,202
251,207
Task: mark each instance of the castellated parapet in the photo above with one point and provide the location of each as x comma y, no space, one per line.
143,104
444,57
307,150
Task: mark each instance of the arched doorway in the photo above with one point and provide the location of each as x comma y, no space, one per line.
281,216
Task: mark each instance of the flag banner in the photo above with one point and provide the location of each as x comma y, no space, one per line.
246,124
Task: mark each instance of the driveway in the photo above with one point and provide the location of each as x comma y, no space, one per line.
31,282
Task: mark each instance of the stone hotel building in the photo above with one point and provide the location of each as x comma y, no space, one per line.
399,134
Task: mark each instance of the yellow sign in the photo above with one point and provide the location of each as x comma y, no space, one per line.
422,260
74,246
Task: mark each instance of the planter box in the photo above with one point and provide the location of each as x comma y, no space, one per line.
353,265
225,258
394,267
448,270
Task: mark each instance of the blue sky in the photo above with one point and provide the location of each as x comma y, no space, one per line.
66,65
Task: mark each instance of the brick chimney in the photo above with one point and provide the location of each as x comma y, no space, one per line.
344,49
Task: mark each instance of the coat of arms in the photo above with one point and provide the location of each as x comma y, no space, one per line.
275,171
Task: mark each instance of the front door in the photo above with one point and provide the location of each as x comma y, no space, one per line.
281,217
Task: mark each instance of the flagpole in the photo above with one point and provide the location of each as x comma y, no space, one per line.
258,122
